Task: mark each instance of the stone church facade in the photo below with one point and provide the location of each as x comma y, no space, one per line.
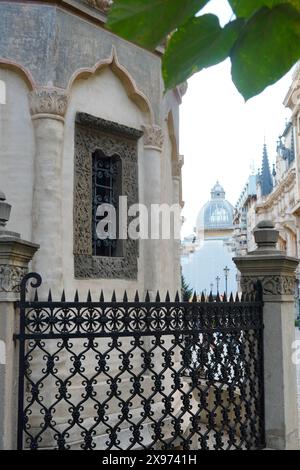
70,91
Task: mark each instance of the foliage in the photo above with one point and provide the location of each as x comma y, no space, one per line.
262,39
186,291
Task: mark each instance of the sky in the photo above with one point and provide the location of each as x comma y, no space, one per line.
221,136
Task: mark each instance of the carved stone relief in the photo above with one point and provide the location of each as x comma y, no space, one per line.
48,101
271,285
103,5
93,134
153,137
10,277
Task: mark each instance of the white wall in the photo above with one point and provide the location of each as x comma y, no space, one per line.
16,151
104,96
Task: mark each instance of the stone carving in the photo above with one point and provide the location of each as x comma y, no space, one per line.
153,137
10,277
271,285
103,5
48,101
182,88
92,134
177,166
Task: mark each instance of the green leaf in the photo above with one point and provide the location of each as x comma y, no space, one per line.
267,48
147,22
245,8
197,44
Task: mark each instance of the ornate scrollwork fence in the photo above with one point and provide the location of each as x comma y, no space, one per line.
140,375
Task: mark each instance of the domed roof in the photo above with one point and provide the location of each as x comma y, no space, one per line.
217,191
216,213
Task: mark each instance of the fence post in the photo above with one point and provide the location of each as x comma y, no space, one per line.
15,255
276,273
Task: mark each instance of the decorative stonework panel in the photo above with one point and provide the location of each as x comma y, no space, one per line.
113,139
10,277
271,285
103,5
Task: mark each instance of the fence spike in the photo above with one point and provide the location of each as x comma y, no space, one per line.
101,299
231,297
167,296
237,299
76,297
147,298
113,297
125,297
218,297
157,299
246,297
202,297
89,297
224,297
36,297
136,298
211,297
63,296
243,297
177,298
50,296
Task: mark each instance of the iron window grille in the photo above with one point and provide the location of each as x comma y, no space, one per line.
106,188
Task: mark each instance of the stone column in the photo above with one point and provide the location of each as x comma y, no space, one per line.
153,144
15,254
48,108
276,273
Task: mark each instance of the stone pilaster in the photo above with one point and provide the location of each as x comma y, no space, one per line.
48,108
275,273
153,145
15,255
177,199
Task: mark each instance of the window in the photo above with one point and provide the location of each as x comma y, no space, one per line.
105,167
2,92
219,215
106,188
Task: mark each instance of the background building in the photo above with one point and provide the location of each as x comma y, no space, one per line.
207,255
275,194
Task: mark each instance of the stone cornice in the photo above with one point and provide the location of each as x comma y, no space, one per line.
48,102
153,137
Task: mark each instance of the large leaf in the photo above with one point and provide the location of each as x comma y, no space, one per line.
267,48
199,43
147,22
245,8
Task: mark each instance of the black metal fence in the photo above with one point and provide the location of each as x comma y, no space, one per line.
140,375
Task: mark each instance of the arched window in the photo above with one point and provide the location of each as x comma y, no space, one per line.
2,92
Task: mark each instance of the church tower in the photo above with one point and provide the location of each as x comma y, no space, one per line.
265,180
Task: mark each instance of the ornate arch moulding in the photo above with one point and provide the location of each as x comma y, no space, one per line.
19,70
136,95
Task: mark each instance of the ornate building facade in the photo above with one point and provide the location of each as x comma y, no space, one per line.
206,259
73,98
275,195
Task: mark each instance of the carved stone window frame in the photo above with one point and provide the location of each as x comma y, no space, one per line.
91,134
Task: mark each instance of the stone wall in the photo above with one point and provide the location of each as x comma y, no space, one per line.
54,64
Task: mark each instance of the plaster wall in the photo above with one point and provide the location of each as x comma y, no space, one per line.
17,152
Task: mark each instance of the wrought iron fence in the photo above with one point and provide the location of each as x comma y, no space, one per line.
140,375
